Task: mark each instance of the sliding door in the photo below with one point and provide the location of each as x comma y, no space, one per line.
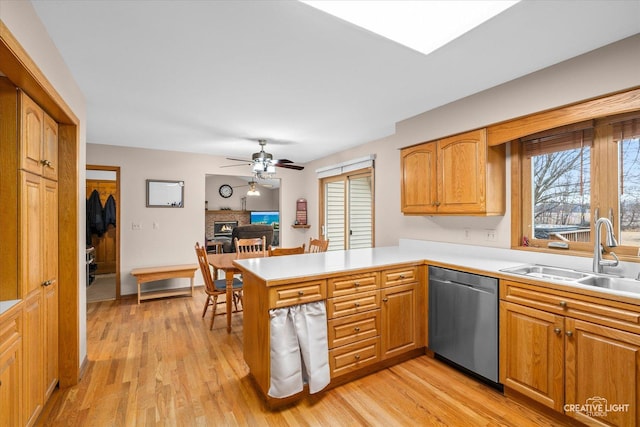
347,215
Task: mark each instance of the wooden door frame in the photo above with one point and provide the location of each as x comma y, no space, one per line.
23,72
115,169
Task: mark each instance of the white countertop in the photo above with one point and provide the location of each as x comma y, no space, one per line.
489,260
6,305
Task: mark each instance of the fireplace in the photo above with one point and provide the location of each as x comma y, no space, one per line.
223,228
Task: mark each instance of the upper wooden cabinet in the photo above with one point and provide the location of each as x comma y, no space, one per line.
458,175
38,139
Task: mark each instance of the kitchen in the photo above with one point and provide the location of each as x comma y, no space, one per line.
444,121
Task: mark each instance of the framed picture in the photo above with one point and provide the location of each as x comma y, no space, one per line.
165,194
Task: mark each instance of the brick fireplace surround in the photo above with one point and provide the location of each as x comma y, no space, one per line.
243,218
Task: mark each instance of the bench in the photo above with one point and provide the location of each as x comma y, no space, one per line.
152,274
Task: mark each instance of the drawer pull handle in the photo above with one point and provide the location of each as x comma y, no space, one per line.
357,329
357,304
356,284
557,331
357,357
45,162
402,276
563,304
569,334
300,293
385,299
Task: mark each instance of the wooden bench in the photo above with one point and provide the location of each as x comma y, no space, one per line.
151,274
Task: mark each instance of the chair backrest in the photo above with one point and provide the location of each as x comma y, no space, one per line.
205,268
318,245
251,248
251,231
286,251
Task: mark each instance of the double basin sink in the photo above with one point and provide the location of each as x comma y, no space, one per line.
560,274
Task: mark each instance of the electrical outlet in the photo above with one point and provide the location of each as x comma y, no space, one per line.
156,225
136,226
467,234
491,235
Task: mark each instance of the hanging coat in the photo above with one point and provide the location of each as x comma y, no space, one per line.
94,213
109,212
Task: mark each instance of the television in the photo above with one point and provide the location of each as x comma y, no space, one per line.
266,217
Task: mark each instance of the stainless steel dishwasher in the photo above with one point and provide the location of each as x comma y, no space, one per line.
463,320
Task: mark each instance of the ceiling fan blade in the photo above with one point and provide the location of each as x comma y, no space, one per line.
233,166
276,161
238,160
288,166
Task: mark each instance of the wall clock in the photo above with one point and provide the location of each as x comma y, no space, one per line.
225,191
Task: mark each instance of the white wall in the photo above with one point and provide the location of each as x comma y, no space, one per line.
177,229
23,22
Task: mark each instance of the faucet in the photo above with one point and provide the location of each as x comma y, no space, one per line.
598,262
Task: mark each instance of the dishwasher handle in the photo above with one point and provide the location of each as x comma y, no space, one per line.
476,287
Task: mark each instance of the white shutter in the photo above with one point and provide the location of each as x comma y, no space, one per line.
360,213
335,214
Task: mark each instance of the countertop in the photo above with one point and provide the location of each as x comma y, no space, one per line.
481,259
6,305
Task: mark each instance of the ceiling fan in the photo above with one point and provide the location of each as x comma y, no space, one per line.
263,164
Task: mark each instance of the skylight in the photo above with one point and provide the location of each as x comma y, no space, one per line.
420,25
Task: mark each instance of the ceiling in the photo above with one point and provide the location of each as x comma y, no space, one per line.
213,77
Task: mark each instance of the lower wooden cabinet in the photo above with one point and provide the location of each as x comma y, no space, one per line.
398,319
586,370
11,368
33,356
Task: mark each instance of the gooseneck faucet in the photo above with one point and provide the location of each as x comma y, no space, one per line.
598,262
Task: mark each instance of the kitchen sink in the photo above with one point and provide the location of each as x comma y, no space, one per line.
616,283
549,273
568,275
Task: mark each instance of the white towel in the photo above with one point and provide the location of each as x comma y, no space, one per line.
299,349
286,366
310,321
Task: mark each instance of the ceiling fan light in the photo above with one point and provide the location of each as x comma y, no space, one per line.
271,168
257,167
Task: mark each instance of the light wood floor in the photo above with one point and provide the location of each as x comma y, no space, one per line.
158,364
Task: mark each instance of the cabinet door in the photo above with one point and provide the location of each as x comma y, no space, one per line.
462,173
33,356
50,149
418,187
532,353
31,138
398,320
10,385
602,370
50,278
31,232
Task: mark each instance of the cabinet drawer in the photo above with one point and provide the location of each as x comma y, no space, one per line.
353,304
604,312
399,276
354,356
346,330
10,328
298,293
348,285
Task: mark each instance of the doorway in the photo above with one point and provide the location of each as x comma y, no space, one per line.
103,233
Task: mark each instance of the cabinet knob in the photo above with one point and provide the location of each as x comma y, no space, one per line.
45,162
402,276
557,331
300,293
356,284
357,329
47,283
357,304
385,299
437,204
569,333
357,357
563,304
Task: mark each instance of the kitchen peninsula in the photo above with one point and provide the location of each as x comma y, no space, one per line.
376,306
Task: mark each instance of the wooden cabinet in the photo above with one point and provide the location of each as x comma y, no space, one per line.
560,349
458,175
353,317
11,367
38,139
399,297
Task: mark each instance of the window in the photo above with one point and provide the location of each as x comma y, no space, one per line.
347,211
572,175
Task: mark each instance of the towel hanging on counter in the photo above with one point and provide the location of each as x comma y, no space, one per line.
299,349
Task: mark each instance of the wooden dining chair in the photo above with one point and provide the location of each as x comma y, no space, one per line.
250,248
215,287
286,251
318,245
